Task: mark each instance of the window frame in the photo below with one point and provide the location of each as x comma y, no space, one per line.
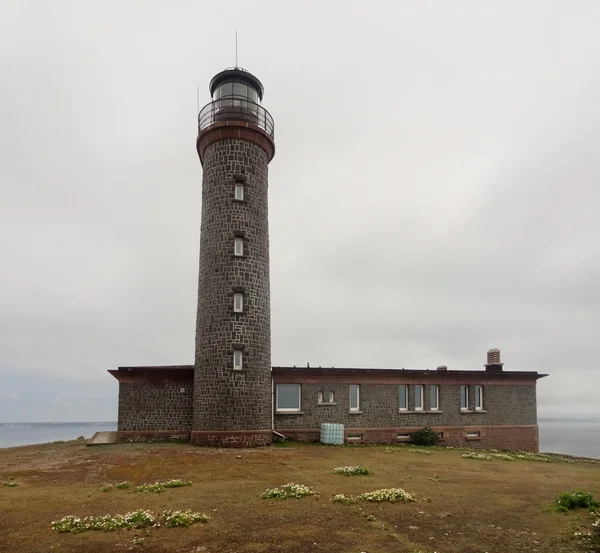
238,359
401,388
419,394
238,308
239,186
478,398
436,388
288,409
465,396
357,407
325,398
238,241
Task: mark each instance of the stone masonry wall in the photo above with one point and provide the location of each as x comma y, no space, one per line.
226,399
160,406
379,407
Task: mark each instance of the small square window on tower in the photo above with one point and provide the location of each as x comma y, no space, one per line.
239,191
238,359
238,246
238,302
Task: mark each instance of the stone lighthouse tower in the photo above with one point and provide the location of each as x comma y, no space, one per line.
232,373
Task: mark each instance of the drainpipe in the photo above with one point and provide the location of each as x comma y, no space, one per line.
273,408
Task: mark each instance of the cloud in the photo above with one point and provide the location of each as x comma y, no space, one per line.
434,191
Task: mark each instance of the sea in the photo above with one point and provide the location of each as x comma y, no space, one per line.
570,436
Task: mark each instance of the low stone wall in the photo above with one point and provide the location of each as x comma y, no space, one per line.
154,436
232,438
514,438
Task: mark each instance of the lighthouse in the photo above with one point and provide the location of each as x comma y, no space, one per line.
232,400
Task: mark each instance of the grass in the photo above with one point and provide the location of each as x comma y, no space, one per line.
475,506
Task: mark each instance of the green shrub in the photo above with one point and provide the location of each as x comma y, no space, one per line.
568,501
425,436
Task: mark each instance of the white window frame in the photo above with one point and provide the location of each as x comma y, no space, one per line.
238,191
419,394
238,359
403,391
238,302
288,409
434,392
357,406
238,246
478,398
464,393
330,397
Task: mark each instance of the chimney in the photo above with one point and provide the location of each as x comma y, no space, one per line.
493,361
442,368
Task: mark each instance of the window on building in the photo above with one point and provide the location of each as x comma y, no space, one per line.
478,398
238,245
238,359
464,398
238,302
418,397
403,397
288,397
434,397
354,397
239,191
325,397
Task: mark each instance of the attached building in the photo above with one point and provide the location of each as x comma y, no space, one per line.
491,408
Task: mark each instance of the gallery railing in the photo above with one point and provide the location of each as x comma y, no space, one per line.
237,108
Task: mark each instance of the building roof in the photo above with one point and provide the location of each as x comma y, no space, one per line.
187,371
391,373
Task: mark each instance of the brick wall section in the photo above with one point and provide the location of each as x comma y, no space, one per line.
155,406
514,438
379,406
224,398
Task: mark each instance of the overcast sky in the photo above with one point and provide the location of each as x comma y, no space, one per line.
435,191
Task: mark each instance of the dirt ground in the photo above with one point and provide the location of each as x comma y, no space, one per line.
473,507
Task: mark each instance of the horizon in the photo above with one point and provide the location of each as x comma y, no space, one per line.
434,192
